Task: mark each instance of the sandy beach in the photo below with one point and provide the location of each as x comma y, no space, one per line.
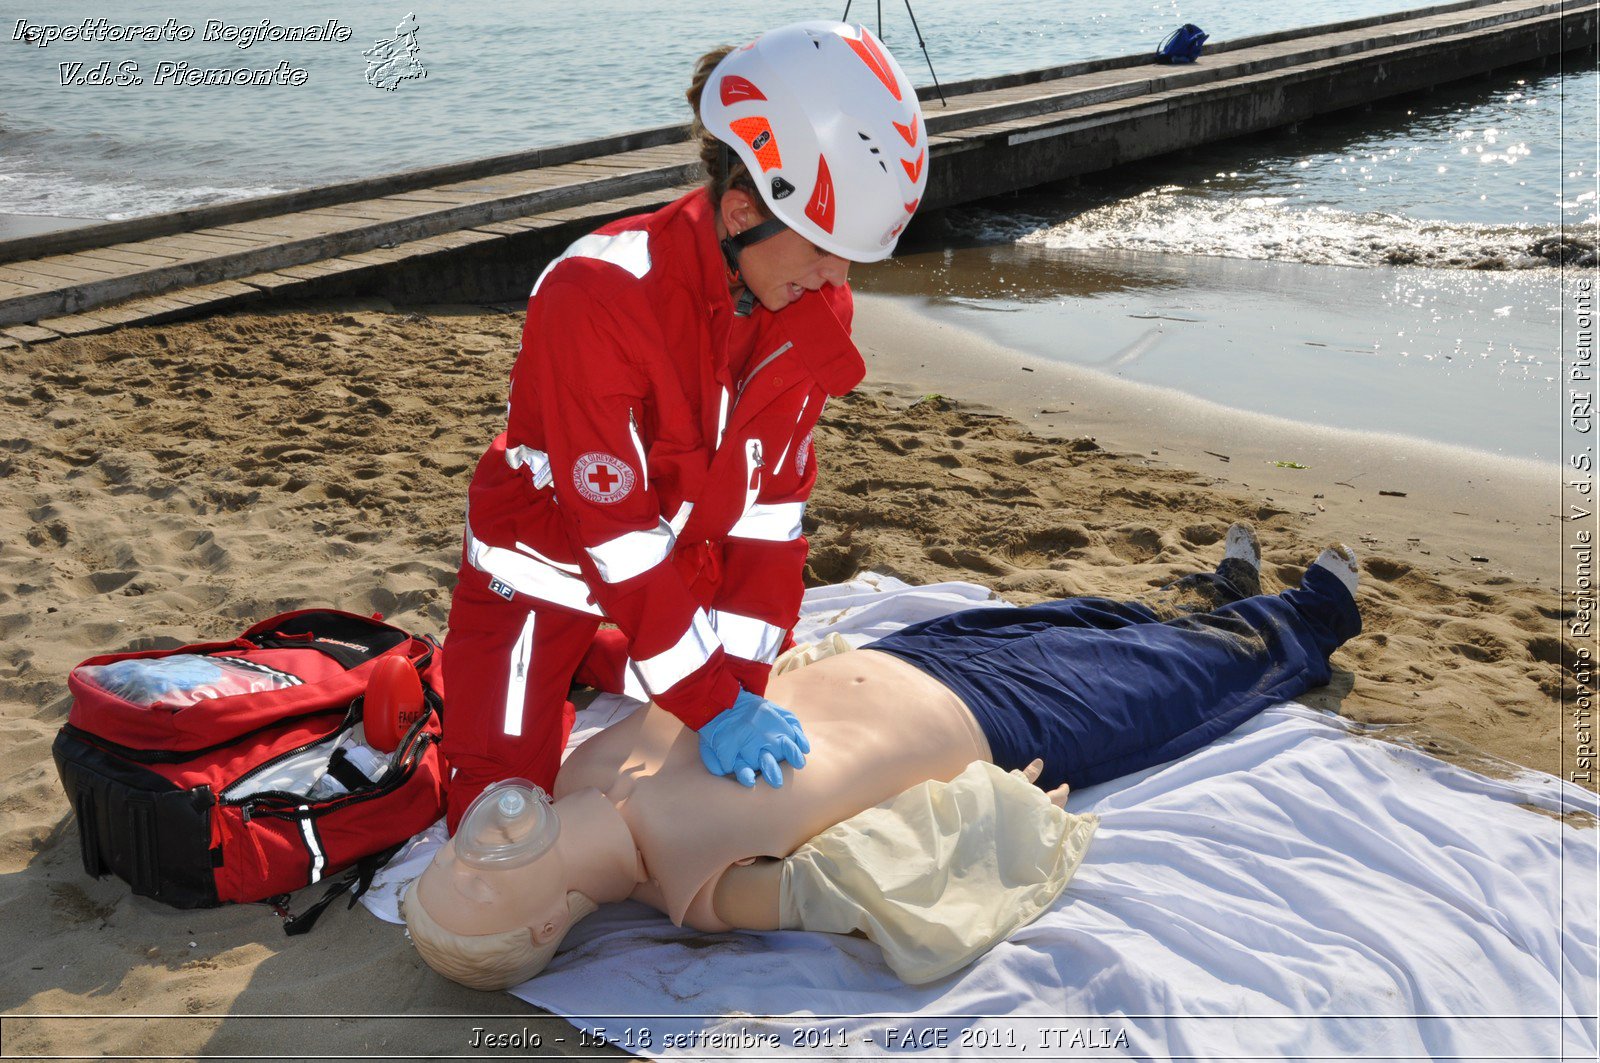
171,483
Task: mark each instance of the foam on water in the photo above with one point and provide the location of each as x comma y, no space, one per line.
1175,218
1496,174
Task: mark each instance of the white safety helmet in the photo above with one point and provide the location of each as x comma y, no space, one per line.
831,131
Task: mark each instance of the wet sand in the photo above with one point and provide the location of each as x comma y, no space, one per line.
178,482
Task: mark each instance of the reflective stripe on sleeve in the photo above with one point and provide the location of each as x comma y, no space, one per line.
680,518
722,417
670,667
798,421
517,678
638,446
747,637
630,250
633,552
537,462
632,684
525,575
770,522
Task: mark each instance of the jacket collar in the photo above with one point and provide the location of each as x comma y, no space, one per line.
827,350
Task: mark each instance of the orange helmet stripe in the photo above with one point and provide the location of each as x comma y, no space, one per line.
867,48
757,133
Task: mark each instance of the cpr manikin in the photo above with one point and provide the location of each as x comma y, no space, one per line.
636,816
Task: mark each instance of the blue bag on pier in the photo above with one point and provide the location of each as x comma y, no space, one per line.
1182,44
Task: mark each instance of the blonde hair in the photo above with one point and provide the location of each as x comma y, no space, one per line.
723,167
485,961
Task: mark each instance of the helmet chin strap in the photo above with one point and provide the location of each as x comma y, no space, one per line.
734,244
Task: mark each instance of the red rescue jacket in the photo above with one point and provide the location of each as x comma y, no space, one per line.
637,479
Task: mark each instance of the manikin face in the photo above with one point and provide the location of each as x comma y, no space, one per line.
492,896
780,269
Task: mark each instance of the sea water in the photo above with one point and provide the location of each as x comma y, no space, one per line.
1391,270
499,77
1225,272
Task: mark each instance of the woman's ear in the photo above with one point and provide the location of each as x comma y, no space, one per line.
741,211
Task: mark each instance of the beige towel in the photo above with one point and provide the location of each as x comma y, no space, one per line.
936,876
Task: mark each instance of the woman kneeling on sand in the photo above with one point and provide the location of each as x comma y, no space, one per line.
935,736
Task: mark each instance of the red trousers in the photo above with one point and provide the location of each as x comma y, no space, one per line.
509,666
513,663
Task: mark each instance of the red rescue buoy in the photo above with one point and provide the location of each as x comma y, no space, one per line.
394,702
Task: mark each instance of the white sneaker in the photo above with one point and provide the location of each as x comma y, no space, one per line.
1240,543
1341,561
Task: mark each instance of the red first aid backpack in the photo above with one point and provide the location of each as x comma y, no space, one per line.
237,771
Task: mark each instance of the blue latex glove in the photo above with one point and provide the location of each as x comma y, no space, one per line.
753,735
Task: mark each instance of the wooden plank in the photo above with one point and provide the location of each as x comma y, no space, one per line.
449,241
439,195
19,277
384,208
525,181
665,155
221,239
378,256
153,248
118,313
125,259
325,268
209,246
612,163
78,324
516,226
203,295
296,226
152,305
493,187
365,213
63,276
178,253
30,333
271,281
569,173
77,261
228,289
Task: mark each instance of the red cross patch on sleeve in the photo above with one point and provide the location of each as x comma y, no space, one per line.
602,478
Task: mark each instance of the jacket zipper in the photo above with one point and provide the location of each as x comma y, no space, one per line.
739,395
768,360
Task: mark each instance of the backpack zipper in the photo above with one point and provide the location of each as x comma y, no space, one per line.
414,744
180,756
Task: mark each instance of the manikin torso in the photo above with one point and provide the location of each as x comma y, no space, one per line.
877,727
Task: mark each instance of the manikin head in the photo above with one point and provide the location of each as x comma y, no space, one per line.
491,909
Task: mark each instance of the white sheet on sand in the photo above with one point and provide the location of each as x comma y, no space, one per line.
1294,889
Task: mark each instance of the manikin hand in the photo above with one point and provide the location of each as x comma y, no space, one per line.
753,735
1030,774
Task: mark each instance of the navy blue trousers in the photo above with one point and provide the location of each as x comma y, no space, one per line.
1100,688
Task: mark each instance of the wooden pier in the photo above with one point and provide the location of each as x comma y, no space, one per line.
481,230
